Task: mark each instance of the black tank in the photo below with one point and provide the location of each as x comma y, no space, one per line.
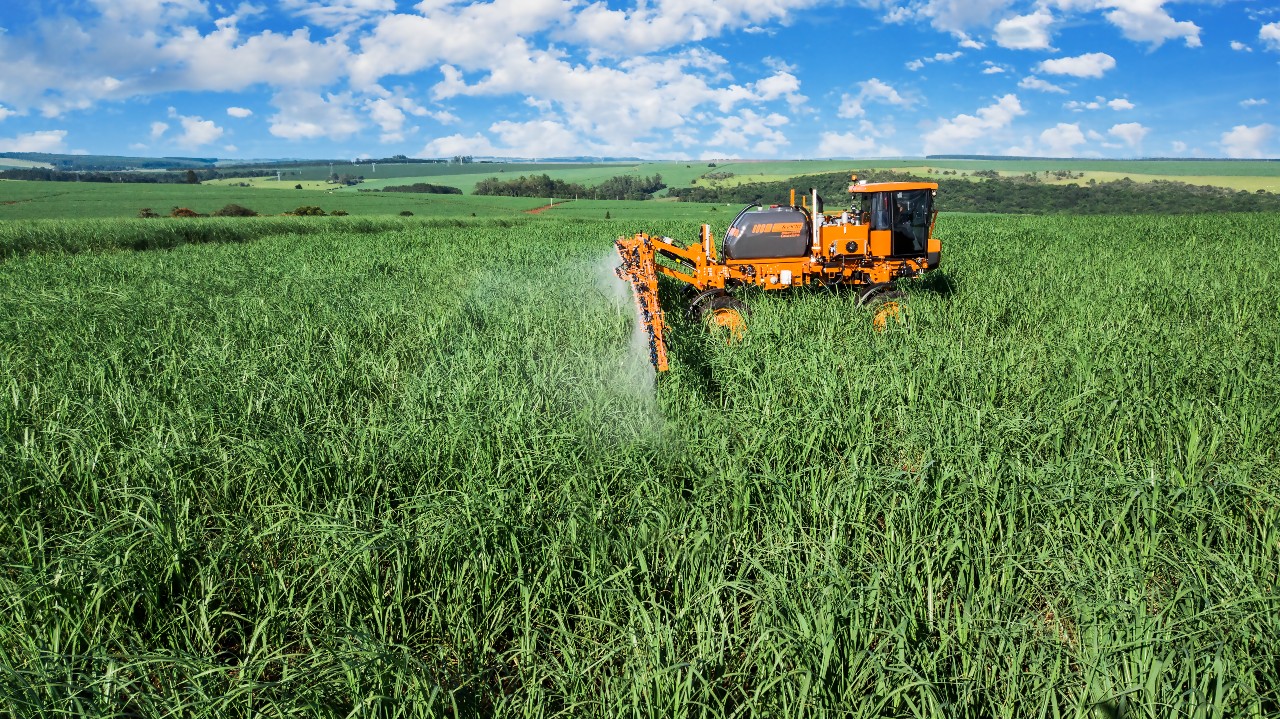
768,234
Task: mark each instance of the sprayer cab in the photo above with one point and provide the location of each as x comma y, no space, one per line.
885,235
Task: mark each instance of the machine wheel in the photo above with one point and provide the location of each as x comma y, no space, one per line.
869,294
887,308
721,310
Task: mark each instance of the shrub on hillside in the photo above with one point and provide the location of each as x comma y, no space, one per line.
147,213
184,212
308,211
234,210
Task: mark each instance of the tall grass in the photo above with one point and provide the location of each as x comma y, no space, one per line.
414,473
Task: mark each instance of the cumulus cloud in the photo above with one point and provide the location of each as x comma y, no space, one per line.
1130,133
660,25
196,131
939,57
956,16
42,141
1270,35
1094,64
960,132
6,113
1025,32
849,144
338,13
304,115
1139,20
1062,139
873,90
1098,103
1240,47
240,112
1032,82
1252,102
1244,142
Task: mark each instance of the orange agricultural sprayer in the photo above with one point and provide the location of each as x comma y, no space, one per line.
885,235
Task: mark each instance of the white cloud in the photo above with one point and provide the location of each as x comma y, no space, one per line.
1244,142
391,112
1240,47
635,109
1252,102
663,24
6,113
939,57
42,141
1025,32
960,132
1139,20
1270,35
1061,140
1130,133
150,13
873,90
1179,146
196,131
452,145
993,69
1032,82
303,115
1098,103
338,13
1094,64
158,129
758,133
224,61
849,144
955,16
240,112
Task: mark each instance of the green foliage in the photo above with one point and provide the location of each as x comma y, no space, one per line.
1020,195
421,187
406,213
621,187
308,211
378,467
234,210
147,213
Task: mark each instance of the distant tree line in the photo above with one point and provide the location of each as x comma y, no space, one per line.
622,187
1013,195
424,188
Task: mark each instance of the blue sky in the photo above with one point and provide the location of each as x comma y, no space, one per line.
660,79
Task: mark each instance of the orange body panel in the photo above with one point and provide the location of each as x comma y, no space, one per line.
881,242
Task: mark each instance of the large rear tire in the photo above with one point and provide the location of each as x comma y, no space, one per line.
888,309
723,311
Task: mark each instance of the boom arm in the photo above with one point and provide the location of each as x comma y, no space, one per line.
640,269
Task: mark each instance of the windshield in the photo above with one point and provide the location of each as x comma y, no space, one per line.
912,212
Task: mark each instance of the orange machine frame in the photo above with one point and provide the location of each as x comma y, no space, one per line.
842,250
